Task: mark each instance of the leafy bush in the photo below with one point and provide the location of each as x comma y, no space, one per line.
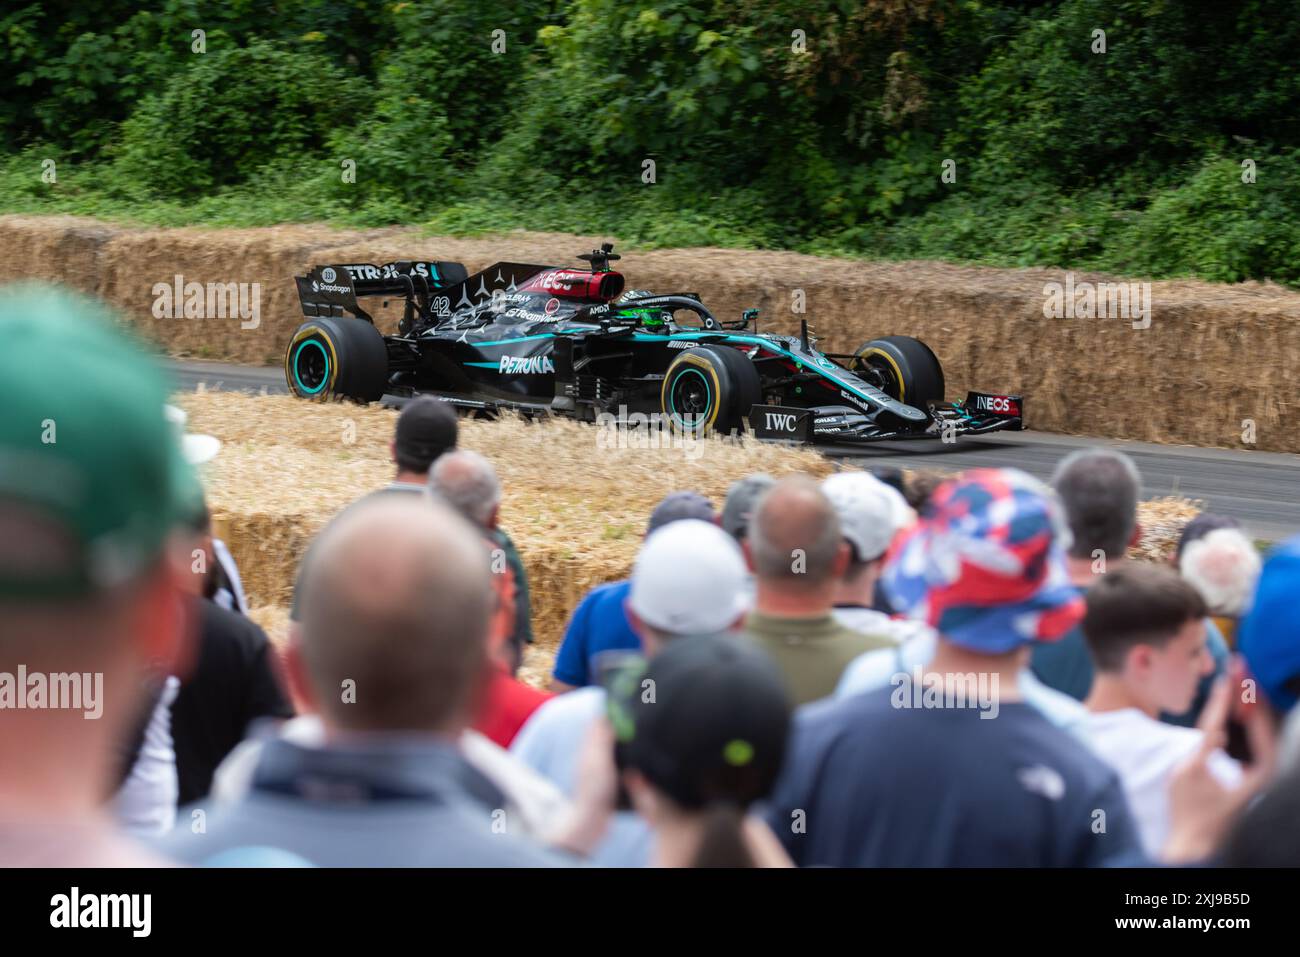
235,111
815,125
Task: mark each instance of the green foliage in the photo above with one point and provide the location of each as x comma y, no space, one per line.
1218,228
235,111
818,125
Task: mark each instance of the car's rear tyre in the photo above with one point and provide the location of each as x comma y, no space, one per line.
707,389
337,357
903,368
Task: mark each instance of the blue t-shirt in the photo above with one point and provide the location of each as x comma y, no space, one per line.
1066,665
551,742
599,623
870,784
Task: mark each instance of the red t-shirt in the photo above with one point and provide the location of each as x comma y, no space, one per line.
507,704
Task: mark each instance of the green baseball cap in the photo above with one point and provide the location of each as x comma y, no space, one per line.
92,479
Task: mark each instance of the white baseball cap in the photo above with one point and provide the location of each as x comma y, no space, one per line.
689,579
869,515
904,514
195,448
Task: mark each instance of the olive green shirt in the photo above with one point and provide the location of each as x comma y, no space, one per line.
812,653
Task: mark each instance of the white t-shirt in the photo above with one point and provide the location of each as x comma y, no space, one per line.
551,742
233,598
1145,752
873,670
145,805
868,621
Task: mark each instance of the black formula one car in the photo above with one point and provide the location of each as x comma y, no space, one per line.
556,340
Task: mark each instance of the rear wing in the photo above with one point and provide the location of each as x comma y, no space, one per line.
333,290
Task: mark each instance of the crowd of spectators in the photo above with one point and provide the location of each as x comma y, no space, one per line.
852,671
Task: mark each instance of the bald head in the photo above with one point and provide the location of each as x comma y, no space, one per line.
794,535
468,483
397,599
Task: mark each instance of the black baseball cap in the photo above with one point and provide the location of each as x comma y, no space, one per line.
425,430
706,720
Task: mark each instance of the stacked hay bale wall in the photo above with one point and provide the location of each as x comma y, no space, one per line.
1213,368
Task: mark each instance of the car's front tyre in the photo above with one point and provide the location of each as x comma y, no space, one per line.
903,368
707,390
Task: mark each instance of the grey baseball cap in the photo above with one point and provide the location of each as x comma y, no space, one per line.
676,506
741,499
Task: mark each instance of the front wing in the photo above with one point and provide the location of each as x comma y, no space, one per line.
979,413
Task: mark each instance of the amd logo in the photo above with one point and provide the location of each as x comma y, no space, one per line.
781,421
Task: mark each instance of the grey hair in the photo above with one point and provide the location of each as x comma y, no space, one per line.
1099,490
1223,566
467,482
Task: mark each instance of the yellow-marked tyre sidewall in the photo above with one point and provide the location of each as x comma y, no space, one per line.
323,335
893,363
707,367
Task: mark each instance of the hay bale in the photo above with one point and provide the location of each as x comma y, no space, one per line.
274,620
63,249
1162,521
1213,357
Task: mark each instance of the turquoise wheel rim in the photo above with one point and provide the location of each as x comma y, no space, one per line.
324,375
673,397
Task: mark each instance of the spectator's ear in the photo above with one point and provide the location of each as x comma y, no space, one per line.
166,629
494,516
1138,661
295,668
392,450
167,634
842,558
638,628
749,554
645,801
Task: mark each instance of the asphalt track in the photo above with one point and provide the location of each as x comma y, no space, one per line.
1259,489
